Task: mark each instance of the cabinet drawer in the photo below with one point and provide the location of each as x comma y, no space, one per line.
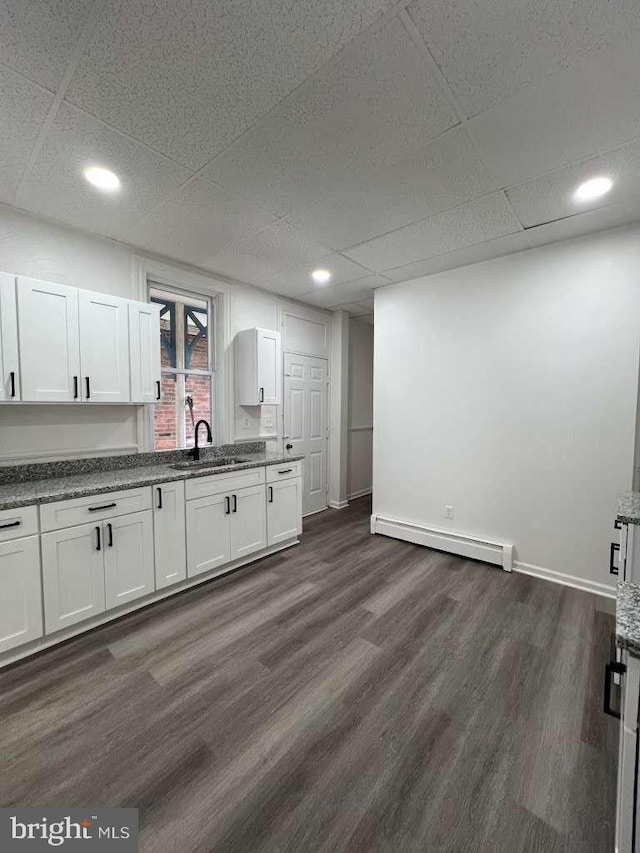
284,471
55,516
218,484
18,522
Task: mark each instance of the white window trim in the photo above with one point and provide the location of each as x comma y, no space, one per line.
147,270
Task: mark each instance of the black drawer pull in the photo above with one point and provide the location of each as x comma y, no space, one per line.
75,387
227,506
12,380
110,529
10,524
617,524
609,670
286,471
270,494
104,506
159,498
235,503
158,391
613,570
98,546
88,381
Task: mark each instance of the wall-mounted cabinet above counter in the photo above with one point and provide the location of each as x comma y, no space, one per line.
61,344
258,368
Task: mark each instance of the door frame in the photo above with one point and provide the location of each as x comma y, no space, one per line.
305,313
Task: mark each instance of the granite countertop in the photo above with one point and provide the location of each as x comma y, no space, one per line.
628,616
33,491
629,508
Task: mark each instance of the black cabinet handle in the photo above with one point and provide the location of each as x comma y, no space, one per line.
262,395
158,392
110,529
270,494
614,667
12,380
286,471
227,506
235,503
104,506
613,570
10,524
159,498
617,524
75,387
98,546
88,382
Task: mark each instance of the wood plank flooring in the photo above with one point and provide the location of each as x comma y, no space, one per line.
354,693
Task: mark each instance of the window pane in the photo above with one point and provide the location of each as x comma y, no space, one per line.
198,388
196,338
167,331
164,417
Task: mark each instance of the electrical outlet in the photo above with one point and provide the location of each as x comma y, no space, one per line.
245,423
268,423
448,511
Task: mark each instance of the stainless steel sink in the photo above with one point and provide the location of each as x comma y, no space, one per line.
201,464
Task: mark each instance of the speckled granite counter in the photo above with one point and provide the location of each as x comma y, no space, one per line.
628,616
629,508
78,478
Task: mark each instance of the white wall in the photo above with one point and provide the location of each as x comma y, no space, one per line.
41,249
360,441
508,390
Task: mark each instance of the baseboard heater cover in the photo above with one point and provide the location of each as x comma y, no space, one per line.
498,553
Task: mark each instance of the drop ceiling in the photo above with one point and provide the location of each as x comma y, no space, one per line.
378,140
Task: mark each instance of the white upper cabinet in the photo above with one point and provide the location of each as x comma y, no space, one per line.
9,364
49,341
258,367
104,347
144,339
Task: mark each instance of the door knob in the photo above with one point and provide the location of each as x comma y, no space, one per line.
289,446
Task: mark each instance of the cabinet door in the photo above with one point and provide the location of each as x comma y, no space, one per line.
128,558
72,575
169,533
284,510
248,522
208,534
269,367
9,367
144,341
20,592
104,348
48,341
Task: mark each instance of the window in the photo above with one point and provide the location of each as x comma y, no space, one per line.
186,346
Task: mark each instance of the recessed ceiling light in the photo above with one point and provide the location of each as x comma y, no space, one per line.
102,178
594,188
321,276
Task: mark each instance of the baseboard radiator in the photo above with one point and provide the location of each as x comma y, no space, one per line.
498,553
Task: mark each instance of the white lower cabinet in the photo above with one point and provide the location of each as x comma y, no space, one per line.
72,575
208,533
169,533
21,598
247,522
284,510
128,558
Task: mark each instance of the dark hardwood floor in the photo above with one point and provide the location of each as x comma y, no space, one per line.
354,693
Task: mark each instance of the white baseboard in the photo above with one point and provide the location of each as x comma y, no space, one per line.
360,493
499,553
338,504
597,588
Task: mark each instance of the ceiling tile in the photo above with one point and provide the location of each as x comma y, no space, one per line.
340,294
374,104
443,174
474,222
23,109
199,221
490,50
273,249
55,185
188,76
295,281
551,197
38,37
592,107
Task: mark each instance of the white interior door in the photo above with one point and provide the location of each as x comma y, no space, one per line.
104,347
306,424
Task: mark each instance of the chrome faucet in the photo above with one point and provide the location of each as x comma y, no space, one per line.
195,453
